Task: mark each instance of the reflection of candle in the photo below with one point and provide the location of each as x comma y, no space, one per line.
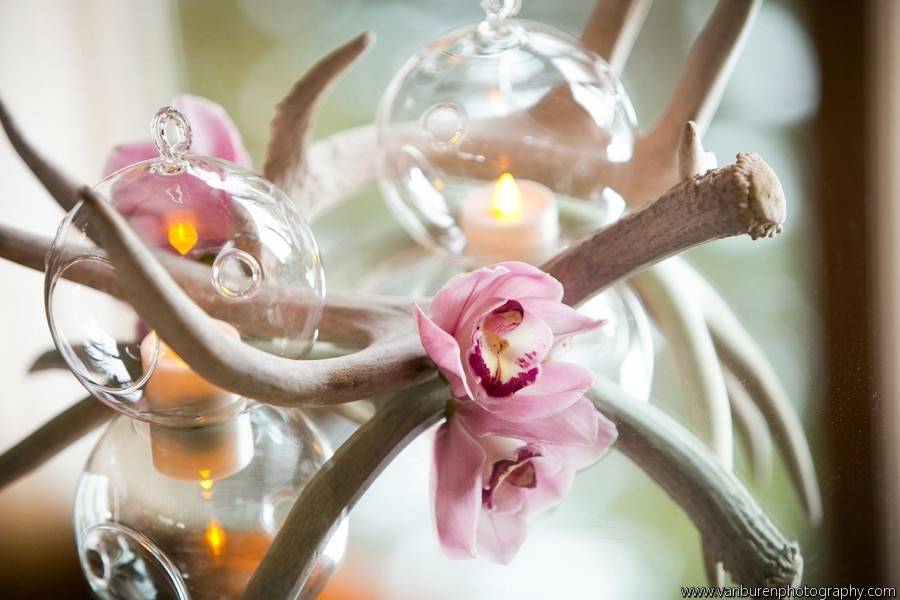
215,536
206,453
173,383
203,454
510,219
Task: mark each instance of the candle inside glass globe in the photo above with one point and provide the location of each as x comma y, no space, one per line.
504,104
233,241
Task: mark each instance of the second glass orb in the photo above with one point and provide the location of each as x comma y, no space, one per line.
492,135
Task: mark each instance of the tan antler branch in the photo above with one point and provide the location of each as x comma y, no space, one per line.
613,27
291,129
743,198
695,98
56,183
733,527
57,433
337,487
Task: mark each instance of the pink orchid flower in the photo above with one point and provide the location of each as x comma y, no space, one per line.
521,426
490,474
214,134
493,334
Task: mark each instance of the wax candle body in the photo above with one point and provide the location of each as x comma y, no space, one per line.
210,452
173,384
510,220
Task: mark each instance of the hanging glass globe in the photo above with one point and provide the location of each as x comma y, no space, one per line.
233,241
494,139
181,513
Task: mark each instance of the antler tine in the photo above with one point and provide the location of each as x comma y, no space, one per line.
732,526
62,190
746,360
51,438
291,128
690,152
337,487
684,328
708,67
385,366
347,320
695,98
613,27
745,197
751,425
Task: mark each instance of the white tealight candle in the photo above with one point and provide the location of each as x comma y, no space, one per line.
206,453
173,384
510,220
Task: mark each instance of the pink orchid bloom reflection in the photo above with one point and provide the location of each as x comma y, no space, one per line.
520,427
489,475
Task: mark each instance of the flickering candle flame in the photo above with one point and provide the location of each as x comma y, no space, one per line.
182,236
510,220
506,200
215,536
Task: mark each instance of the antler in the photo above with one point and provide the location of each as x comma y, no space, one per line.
743,198
286,157
695,98
613,27
56,434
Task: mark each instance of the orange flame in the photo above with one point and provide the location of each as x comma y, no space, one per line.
182,236
506,201
215,536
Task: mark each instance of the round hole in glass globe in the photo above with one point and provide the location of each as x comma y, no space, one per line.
499,140
231,239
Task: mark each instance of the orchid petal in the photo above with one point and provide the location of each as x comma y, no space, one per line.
525,281
560,386
449,305
213,131
456,488
500,536
563,320
582,457
555,478
576,425
509,345
124,155
442,348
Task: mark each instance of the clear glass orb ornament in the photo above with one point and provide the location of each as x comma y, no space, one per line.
495,139
233,241
177,513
